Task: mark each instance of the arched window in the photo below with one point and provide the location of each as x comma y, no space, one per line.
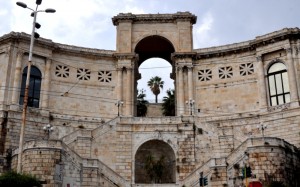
279,89
34,87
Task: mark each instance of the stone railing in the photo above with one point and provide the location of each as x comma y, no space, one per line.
104,128
240,152
76,160
74,135
193,178
156,120
106,172
237,155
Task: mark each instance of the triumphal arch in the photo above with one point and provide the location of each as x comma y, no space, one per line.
140,37
236,108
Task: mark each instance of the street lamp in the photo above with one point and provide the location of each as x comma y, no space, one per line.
262,127
25,103
48,129
118,104
191,103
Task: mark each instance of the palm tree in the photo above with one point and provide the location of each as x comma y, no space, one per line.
168,105
141,104
155,83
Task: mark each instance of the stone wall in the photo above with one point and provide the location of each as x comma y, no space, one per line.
55,164
154,110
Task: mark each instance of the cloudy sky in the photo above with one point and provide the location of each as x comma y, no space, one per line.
87,23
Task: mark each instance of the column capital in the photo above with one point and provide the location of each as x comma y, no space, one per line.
190,67
289,50
183,57
179,68
20,53
259,58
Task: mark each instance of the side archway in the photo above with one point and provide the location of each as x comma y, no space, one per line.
155,162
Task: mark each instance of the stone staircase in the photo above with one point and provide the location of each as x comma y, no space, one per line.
76,145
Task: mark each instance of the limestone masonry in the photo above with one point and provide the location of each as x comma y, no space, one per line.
246,112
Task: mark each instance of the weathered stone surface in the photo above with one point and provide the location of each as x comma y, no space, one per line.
218,135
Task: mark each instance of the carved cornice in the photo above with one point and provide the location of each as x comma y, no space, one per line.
248,46
181,56
81,51
157,18
289,50
259,58
56,47
127,56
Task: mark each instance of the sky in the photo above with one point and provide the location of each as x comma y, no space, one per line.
87,23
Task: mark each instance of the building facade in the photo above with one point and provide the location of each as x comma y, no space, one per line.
237,106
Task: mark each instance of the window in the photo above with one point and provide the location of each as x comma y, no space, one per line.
204,75
278,84
83,74
225,72
104,76
246,69
34,87
62,71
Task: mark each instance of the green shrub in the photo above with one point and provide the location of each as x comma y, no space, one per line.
13,179
276,184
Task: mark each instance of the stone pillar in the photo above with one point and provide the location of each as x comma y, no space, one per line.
296,57
120,87
190,82
292,76
17,79
180,93
261,83
129,92
125,86
46,87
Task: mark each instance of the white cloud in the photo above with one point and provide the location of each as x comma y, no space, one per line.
202,33
75,22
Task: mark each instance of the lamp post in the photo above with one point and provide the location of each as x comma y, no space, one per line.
262,127
48,129
191,103
25,103
118,104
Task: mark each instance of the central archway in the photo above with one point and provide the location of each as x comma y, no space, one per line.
152,47
155,163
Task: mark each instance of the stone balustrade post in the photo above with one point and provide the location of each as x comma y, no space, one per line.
261,83
46,83
292,76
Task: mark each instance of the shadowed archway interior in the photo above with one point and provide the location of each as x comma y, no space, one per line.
155,163
154,46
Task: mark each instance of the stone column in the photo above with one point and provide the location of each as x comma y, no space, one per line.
120,84
17,79
180,96
296,57
46,87
129,92
292,76
190,82
261,83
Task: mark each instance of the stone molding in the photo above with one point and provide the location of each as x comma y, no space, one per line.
251,45
157,18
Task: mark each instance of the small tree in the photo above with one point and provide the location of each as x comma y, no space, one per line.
155,84
14,179
141,103
168,105
155,169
